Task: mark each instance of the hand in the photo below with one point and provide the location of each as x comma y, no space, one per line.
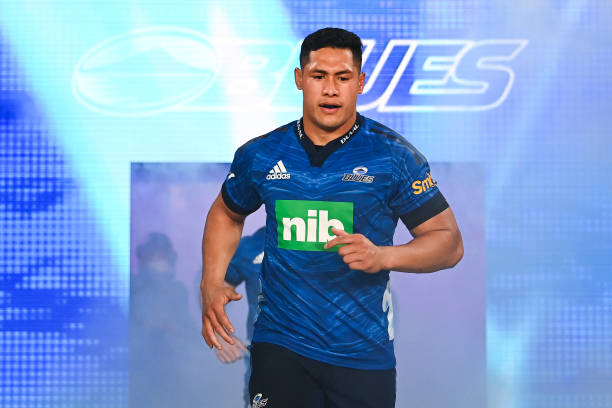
214,319
358,252
230,353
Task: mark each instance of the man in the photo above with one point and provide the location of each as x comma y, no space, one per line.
334,185
162,341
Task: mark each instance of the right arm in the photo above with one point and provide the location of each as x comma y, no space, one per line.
221,237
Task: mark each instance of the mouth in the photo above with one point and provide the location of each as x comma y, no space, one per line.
329,107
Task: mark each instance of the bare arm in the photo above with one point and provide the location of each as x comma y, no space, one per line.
221,237
437,244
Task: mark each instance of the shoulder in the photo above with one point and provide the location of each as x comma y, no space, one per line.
269,139
398,146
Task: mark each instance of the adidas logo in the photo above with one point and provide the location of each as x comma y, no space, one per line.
259,258
278,172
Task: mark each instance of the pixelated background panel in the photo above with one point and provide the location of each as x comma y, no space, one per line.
85,91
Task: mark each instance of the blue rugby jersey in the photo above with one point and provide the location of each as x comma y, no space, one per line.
362,182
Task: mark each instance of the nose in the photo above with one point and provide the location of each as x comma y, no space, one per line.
330,88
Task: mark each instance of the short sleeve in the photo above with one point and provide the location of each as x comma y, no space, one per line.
239,191
416,197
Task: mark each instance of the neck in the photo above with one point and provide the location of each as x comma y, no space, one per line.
322,136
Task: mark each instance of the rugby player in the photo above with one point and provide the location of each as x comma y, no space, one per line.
334,184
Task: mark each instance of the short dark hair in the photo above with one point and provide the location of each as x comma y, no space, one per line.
157,245
331,37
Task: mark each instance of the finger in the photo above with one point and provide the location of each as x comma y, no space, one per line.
338,241
339,232
222,325
221,356
359,266
349,249
236,354
233,295
355,266
204,334
242,346
228,358
228,354
210,337
332,243
352,258
218,328
231,355
228,327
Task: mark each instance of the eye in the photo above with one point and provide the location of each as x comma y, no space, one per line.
318,76
344,79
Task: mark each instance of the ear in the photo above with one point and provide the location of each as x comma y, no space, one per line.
361,82
297,73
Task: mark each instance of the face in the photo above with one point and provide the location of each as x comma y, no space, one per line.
330,82
159,266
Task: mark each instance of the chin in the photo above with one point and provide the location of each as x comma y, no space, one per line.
331,123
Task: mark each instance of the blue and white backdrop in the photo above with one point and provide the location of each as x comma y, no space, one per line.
509,101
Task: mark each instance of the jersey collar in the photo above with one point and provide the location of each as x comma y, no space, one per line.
318,154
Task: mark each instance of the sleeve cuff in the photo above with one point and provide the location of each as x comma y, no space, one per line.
434,206
231,204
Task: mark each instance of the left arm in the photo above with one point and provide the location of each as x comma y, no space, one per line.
437,244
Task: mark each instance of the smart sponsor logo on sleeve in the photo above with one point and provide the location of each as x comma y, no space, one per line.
421,186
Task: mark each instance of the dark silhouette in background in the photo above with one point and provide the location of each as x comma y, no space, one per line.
166,351
164,342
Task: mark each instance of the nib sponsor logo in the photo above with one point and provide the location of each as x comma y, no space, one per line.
306,225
